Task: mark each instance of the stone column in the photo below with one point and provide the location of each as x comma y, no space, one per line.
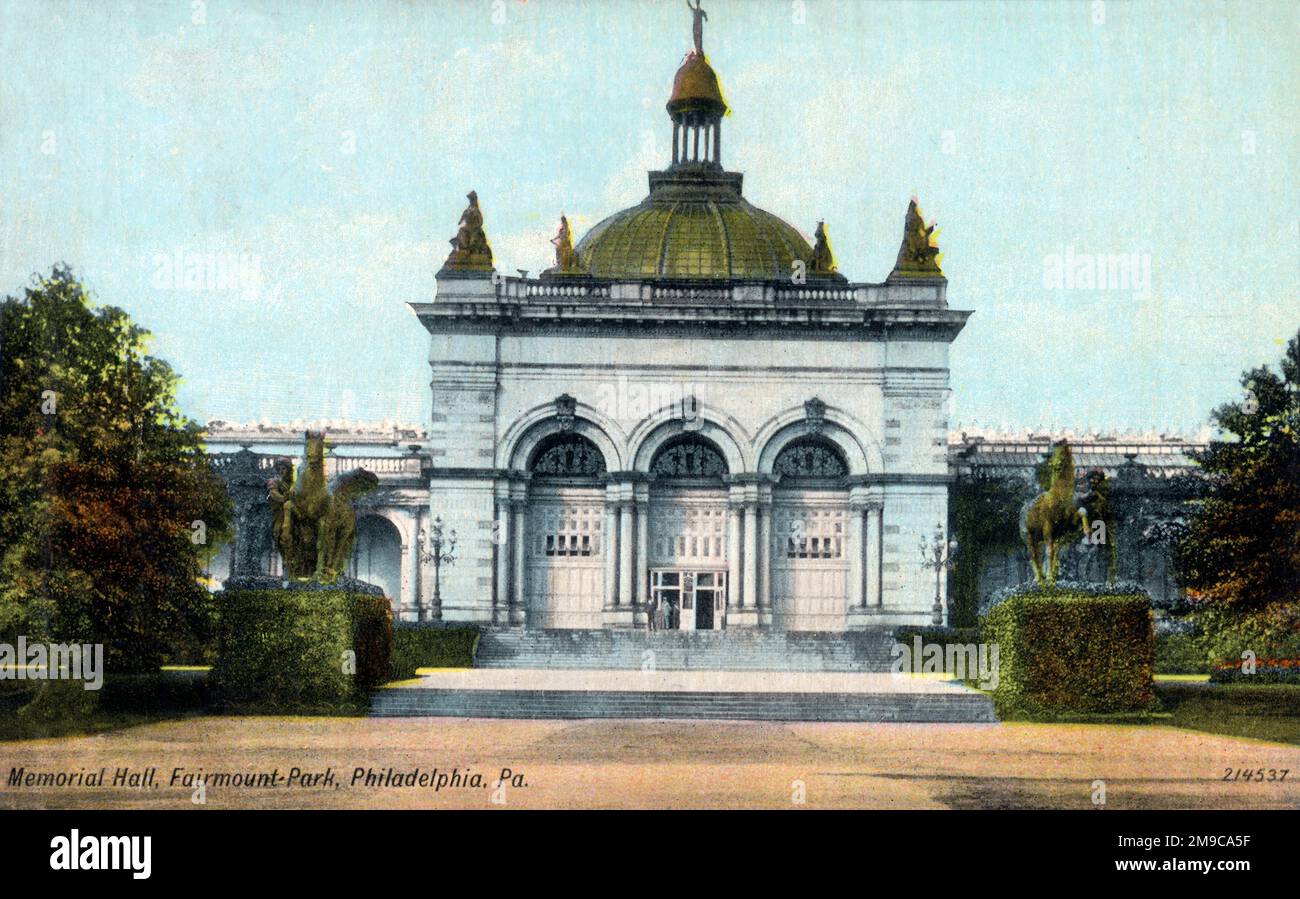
750,595
518,607
765,558
874,559
410,574
733,558
856,552
502,540
610,548
625,548
419,598
642,567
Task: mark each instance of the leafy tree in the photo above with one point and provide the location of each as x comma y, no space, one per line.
986,524
108,503
1240,555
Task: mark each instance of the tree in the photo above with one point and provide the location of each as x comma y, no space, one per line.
109,505
986,524
1240,555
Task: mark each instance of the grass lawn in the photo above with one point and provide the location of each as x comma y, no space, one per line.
1260,711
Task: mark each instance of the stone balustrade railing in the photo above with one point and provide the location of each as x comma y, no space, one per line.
890,294
380,465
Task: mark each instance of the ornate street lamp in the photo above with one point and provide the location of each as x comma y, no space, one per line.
440,551
939,555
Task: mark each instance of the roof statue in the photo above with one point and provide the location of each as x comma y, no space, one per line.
918,256
697,29
566,261
469,248
823,261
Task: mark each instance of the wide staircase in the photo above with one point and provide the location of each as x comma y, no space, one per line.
734,650
549,661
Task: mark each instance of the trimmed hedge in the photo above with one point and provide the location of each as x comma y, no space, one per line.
372,638
285,649
1063,652
431,646
1181,654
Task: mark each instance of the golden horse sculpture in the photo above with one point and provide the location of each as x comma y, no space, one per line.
315,527
1054,517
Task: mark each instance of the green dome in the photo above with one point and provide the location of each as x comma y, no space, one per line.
693,225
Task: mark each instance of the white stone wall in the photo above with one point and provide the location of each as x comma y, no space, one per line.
891,399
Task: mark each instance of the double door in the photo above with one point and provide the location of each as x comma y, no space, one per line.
689,600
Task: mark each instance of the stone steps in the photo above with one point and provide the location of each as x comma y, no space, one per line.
967,707
735,650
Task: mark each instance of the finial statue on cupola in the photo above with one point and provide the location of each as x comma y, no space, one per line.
469,248
696,105
823,260
566,261
918,256
697,29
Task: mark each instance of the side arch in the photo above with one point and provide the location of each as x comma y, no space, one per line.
378,553
530,429
862,453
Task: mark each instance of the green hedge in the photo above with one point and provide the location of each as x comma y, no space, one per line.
372,637
1069,653
285,649
1181,654
424,646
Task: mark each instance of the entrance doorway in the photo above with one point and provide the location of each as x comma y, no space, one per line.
689,600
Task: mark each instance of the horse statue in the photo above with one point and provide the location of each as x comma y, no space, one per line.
314,525
1054,517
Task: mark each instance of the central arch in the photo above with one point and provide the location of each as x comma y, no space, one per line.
688,547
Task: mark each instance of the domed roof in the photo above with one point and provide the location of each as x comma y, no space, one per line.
693,225
696,84
704,238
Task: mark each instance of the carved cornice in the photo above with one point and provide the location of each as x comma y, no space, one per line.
758,321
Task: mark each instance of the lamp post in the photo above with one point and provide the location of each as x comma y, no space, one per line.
938,554
440,551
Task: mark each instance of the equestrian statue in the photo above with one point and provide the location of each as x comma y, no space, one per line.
1057,515
314,525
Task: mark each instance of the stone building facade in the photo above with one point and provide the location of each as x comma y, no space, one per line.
693,415
693,411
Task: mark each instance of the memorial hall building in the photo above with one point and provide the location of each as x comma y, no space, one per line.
693,414
692,410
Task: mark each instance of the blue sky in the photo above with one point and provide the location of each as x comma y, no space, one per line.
330,144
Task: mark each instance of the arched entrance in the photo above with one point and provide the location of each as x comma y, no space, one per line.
688,534
564,552
377,556
810,537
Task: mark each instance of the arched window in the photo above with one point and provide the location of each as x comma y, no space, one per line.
567,455
810,457
688,456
